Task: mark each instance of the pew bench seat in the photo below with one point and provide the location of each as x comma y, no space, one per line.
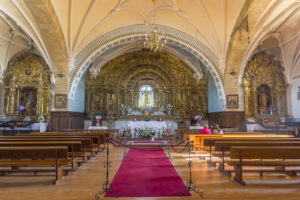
278,157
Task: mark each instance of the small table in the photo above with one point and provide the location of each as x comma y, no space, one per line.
97,127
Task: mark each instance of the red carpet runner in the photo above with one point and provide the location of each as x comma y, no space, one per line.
147,172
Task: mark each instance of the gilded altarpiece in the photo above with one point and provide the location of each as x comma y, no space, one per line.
125,79
27,82
264,88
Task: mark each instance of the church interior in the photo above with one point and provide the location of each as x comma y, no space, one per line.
149,99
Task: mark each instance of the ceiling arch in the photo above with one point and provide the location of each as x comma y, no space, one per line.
137,33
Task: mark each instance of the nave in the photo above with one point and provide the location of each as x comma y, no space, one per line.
86,182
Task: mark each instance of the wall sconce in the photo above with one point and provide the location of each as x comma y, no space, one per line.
233,73
59,75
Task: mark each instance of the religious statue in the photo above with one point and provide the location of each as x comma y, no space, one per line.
129,110
169,108
263,99
146,99
123,109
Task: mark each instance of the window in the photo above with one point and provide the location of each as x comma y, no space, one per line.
298,94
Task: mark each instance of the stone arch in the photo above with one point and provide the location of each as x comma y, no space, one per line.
130,34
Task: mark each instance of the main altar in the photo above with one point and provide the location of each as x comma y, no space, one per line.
146,89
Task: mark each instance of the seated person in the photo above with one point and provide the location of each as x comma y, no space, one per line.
206,130
216,129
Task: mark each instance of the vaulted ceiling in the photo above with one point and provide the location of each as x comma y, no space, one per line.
60,30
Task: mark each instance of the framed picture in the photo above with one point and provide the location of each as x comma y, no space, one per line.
232,101
60,100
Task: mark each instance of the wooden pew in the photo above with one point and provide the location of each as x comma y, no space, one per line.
73,146
276,156
199,138
210,142
86,142
98,138
222,148
19,156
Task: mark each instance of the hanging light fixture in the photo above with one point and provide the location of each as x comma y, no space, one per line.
154,40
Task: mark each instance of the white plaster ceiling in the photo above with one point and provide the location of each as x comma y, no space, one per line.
209,21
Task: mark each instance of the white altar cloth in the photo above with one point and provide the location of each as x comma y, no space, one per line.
196,127
120,124
97,127
148,124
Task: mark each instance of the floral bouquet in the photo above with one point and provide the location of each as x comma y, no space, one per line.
197,117
3,118
21,108
146,132
98,117
41,119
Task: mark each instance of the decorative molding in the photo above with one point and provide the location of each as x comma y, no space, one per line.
137,33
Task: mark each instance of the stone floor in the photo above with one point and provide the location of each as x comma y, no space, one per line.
86,182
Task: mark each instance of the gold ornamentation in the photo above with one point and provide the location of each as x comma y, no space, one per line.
27,82
119,82
264,87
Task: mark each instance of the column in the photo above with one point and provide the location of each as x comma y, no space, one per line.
1,98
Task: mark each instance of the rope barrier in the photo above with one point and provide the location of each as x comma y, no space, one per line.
173,146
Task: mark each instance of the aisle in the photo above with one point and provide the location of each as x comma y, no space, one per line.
147,172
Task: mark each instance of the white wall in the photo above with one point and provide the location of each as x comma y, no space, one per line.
78,103
295,103
214,104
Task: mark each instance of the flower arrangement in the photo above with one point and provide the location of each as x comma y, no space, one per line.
98,117
21,108
41,119
3,118
146,132
197,117
167,132
251,120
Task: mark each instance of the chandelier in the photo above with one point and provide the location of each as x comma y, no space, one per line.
154,40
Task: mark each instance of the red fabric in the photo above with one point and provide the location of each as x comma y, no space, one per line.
147,172
205,131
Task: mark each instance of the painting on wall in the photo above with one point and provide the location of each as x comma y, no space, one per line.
232,101
60,101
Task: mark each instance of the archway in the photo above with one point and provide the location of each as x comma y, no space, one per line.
128,38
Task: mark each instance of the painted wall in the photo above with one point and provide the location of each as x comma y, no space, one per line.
295,103
78,103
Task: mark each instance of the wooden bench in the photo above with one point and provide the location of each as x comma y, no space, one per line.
98,138
222,148
276,156
210,142
73,147
200,138
20,156
86,142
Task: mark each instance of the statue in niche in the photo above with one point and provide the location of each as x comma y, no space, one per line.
146,99
110,100
264,100
28,98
